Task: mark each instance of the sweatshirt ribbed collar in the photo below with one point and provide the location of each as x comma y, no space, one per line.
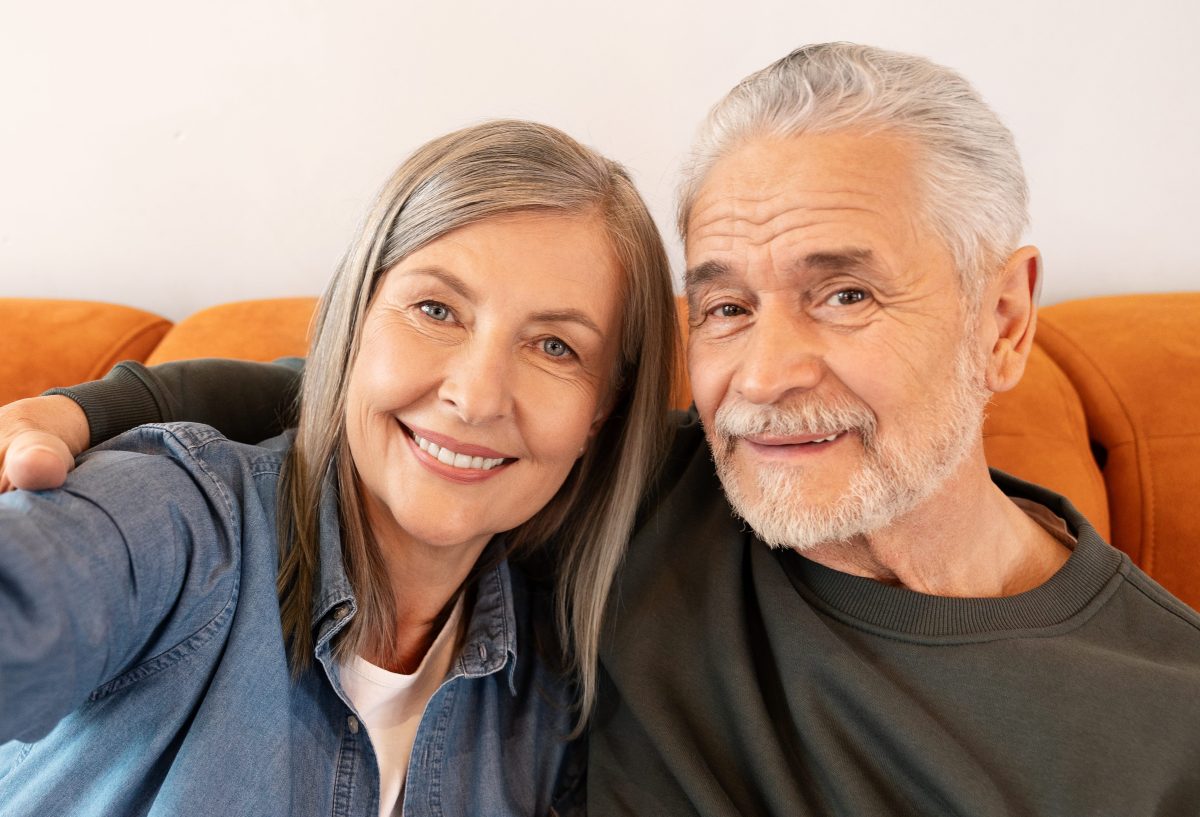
1080,586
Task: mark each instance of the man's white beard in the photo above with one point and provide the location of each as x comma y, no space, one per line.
897,474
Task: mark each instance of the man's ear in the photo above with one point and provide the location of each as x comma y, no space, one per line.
1010,317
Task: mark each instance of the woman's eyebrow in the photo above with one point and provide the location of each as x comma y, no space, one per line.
446,277
459,286
567,315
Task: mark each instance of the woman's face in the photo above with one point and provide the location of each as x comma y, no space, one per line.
485,365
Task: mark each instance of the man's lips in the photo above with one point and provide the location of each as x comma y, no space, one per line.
793,439
792,445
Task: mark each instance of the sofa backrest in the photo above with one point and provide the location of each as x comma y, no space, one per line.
245,330
1134,360
57,343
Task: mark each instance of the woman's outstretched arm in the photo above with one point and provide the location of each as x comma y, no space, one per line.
121,566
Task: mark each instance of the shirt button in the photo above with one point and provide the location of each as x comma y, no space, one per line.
352,722
341,611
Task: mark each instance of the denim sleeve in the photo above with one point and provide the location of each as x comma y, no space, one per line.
131,557
245,401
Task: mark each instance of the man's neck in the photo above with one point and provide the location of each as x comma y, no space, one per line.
967,540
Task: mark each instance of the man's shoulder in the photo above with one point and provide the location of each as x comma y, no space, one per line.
1157,606
1164,610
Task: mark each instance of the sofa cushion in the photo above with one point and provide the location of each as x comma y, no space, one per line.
1038,432
58,343
1135,361
244,330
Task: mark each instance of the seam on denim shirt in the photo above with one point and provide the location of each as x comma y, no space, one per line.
189,646
207,631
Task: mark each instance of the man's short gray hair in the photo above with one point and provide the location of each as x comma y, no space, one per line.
974,195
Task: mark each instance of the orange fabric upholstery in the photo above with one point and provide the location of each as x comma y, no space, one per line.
1037,432
245,330
57,343
1135,362
681,389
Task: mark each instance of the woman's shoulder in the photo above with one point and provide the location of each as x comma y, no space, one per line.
180,463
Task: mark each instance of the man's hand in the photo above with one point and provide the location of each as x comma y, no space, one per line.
39,440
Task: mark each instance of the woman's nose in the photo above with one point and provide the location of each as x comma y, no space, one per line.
478,380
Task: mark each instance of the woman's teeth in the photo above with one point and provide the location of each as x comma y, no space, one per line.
454,460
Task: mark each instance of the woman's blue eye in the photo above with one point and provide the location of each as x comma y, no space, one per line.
555,347
439,312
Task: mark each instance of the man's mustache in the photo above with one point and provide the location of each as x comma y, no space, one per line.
807,415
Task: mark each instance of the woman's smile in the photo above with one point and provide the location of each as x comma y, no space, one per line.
452,459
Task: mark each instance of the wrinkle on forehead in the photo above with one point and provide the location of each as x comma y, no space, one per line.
817,178
742,204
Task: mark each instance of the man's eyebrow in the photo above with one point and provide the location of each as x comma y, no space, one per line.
702,274
837,261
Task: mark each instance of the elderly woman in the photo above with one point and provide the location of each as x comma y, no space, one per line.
336,621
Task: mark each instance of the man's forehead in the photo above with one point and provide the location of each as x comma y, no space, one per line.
824,199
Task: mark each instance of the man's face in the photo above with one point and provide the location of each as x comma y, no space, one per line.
833,361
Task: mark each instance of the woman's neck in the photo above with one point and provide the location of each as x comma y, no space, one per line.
423,578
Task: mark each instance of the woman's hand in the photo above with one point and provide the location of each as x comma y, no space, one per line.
39,440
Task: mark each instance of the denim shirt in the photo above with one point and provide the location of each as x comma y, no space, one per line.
143,667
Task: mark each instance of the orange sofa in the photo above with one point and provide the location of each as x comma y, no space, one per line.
1108,412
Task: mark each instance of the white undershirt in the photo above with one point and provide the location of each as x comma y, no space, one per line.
390,705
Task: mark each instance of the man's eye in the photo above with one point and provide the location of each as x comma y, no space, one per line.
727,311
556,348
846,297
437,311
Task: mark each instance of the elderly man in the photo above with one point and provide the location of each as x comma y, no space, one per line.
899,631
888,628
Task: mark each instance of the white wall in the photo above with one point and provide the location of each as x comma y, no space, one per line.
174,155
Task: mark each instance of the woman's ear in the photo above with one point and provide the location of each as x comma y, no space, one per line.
1009,317
606,407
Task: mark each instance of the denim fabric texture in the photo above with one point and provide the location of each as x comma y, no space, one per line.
143,669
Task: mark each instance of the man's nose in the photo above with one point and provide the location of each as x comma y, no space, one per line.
784,353
478,382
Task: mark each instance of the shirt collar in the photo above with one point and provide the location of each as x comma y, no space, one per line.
491,641
333,602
